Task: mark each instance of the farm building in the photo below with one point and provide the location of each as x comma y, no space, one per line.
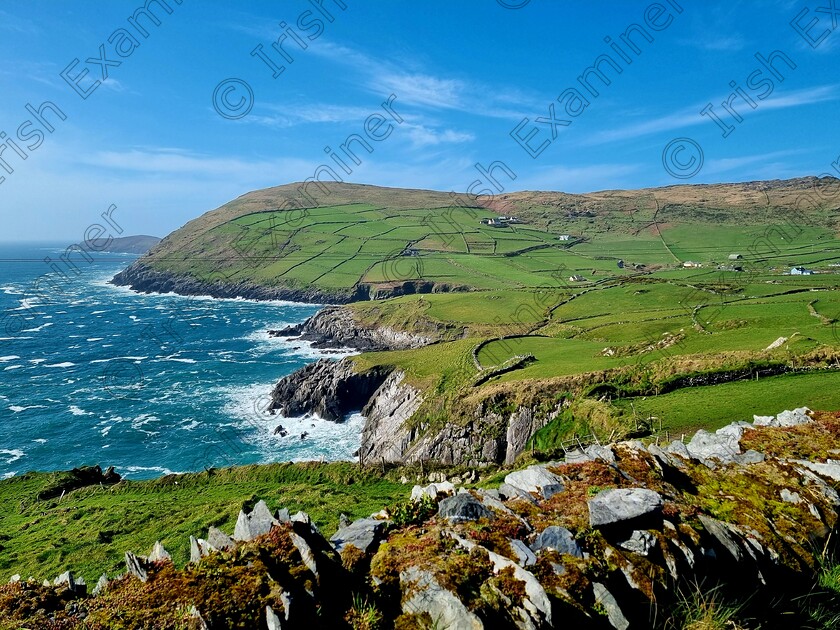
801,271
564,237
735,257
691,263
577,278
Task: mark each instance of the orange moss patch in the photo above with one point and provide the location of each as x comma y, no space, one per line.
810,441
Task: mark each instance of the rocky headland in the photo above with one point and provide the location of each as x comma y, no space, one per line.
336,327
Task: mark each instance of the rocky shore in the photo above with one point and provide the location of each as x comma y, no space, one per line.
621,536
335,327
143,279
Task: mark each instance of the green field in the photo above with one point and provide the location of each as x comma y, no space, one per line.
592,284
714,406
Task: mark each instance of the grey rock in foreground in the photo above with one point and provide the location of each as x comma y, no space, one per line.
364,534
558,538
622,505
533,479
430,597
463,507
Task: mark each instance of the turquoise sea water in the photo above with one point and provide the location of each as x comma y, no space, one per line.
151,384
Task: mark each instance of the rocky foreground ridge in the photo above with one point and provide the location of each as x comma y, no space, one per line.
610,537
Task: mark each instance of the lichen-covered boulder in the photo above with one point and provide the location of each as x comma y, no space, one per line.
622,505
462,508
534,479
364,534
558,538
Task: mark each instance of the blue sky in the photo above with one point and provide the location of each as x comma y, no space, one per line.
464,76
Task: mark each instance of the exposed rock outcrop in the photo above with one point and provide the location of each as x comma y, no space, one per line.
329,389
490,559
335,327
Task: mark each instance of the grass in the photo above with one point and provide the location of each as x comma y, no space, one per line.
89,529
714,406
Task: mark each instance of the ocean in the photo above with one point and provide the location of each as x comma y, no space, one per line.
92,374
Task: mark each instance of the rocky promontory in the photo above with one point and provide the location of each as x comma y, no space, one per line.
335,327
329,389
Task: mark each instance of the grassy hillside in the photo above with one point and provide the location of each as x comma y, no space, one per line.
92,527
591,288
346,235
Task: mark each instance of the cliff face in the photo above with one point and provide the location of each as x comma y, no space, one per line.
330,389
486,438
333,389
335,327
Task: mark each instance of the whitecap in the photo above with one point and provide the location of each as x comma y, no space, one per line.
40,440
65,364
141,469
12,367
18,408
8,358
77,411
37,328
95,339
14,454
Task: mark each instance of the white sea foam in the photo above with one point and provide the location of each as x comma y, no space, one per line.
37,328
40,440
12,367
142,469
13,454
77,411
95,339
19,408
9,475
135,359
65,364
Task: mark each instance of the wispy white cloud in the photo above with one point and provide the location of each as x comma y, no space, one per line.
423,89
578,178
17,24
422,136
720,43
690,116
169,162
